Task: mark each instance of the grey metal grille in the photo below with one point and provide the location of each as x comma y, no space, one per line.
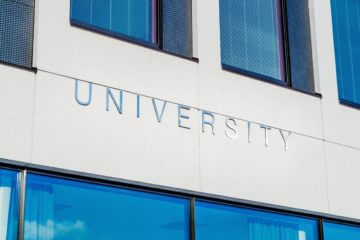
16,31
177,27
301,61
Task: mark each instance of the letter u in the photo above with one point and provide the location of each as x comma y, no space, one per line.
84,103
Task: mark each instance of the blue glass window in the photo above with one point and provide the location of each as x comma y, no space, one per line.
127,18
9,204
16,31
138,20
219,222
251,37
346,28
60,209
333,231
253,40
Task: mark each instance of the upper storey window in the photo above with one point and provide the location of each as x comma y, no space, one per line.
16,32
162,24
268,39
346,28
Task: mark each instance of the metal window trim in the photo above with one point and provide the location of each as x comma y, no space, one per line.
338,223
286,42
254,75
21,223
266,79
348,103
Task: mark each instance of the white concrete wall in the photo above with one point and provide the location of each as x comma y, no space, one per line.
41,122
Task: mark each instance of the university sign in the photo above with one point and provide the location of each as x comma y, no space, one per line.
208,119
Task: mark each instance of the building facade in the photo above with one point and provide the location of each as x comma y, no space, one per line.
180,119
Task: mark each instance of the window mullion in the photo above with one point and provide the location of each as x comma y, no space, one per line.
22,205
286,43
160,24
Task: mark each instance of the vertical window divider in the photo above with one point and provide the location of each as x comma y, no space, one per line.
22,205
286,42
160,24
192,218
321,229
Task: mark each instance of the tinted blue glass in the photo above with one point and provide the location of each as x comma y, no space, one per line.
333,231
127,18
219,222
9,204
62,209
251,37
346,28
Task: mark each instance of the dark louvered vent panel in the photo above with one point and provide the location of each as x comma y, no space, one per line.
177,27
301,62
16,31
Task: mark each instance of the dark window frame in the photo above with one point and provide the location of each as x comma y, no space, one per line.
159,23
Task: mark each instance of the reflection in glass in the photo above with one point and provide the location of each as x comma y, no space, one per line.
333,231
219,222
62,209
9,204
252,38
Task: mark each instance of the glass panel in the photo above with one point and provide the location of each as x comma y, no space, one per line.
346,28
219,222
333,231
9,204
251,37
62,209
127,18
16,31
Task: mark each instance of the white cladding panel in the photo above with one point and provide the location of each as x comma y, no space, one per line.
237,168
16,113
343,164
58,132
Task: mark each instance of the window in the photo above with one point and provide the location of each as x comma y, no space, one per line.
334,231
163,24
218,222
9,204
346,29
268,39
16,31
63,209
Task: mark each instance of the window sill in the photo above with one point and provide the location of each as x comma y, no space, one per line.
128,39
266,79
30,69
349,104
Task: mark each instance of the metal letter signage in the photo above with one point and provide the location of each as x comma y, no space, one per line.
159,117
182,116
77,94
208,119
119,105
